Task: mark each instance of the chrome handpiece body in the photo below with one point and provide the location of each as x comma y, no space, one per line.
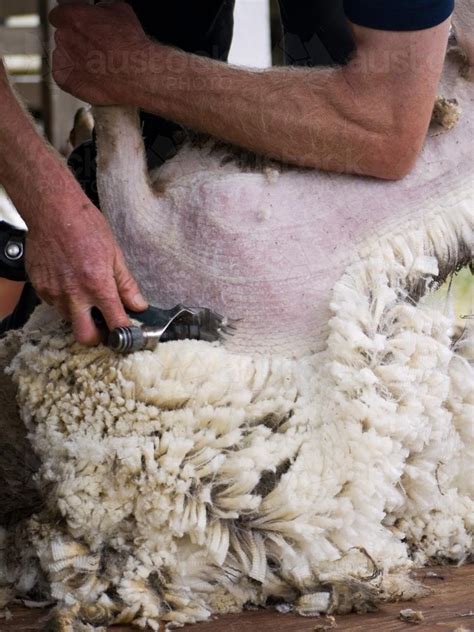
160,325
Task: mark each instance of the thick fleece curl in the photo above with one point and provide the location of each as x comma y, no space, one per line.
190,481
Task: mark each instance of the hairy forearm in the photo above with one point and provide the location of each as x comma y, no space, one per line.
288,114
31,172
308,117
369,117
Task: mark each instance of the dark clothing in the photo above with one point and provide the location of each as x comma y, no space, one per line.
398,15
15,271
319,26
11,268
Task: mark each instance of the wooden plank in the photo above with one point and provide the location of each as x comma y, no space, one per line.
17,7
20,41
448,608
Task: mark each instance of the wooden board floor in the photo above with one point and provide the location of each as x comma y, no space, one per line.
450,608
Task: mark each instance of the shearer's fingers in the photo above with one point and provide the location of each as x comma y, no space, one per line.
83,327
113,310
127,287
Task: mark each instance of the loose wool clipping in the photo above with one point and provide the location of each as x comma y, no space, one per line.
190,481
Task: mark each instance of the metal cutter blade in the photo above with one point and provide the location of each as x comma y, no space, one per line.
160,325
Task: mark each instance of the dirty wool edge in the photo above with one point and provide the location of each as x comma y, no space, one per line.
246,477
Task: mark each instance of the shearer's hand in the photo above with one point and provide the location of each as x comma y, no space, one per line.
75,264
97,47
71,256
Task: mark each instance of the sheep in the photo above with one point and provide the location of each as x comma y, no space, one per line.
315,458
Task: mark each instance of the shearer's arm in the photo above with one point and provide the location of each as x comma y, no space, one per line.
72,258
369,117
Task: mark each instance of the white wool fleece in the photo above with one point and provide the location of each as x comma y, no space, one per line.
190,480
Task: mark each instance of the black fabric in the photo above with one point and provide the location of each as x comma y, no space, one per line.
15,271
315,33
12,270
83,164
203,27
398,15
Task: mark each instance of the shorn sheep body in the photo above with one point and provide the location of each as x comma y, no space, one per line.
313,460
